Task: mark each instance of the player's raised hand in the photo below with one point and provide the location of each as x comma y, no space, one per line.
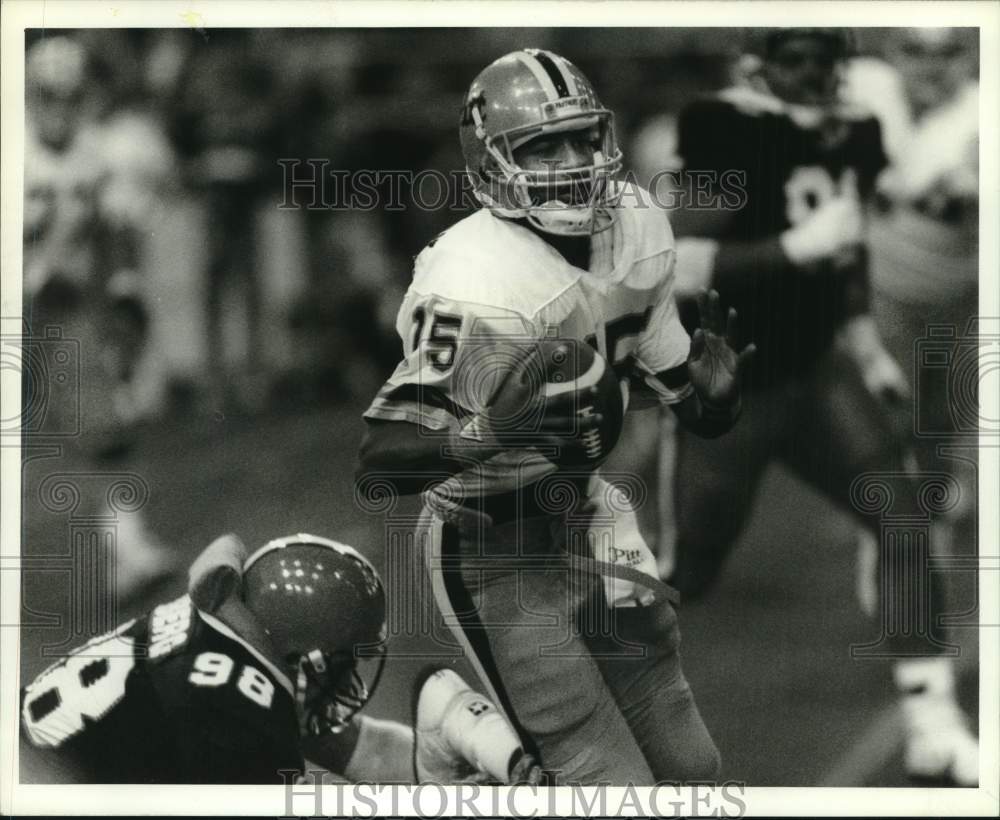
715,367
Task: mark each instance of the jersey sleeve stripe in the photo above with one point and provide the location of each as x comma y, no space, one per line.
413,414
419,404
427,396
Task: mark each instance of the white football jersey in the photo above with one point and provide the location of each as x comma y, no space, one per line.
60,205
923,256
487,282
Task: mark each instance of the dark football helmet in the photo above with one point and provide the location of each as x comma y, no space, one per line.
802,65
322,604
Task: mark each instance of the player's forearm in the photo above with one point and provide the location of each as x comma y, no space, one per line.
857,290
709,257
383,754
735,268
409,458
367,751
860,339
732,267
740,266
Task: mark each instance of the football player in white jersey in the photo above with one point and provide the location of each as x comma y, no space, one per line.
560,250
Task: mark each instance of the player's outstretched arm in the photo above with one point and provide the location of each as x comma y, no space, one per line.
716,371
859,339
712,251
408,456
368,750
399,452
459,736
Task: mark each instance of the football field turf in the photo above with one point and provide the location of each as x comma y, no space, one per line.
767,653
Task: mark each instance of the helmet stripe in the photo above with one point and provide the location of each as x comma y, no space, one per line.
529,58
558,80
302,538
567,70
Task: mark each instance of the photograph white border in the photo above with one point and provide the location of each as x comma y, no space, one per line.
17,15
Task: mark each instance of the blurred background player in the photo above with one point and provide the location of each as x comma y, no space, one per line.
262,663
793,258
924,243
924,237
81,228
560,251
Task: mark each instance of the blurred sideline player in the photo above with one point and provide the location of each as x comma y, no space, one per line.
793,260
925,230
259,665
78,280
559,250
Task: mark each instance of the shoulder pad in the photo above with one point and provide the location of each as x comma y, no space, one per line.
647,237
494,262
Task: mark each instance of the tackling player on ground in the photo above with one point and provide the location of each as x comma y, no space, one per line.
560,251
793,260
259,666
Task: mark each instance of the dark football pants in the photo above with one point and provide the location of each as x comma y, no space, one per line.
826,428
598,694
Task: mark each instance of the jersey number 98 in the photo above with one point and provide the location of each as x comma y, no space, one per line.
215,669
88,684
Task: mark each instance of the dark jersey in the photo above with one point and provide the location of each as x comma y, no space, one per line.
790,169
172,697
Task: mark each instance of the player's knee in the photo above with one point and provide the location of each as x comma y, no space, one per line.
705,763
687,756
589,746
654,627
553,697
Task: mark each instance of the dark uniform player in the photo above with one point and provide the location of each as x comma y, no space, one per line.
219,710
791,257
234,682
210,687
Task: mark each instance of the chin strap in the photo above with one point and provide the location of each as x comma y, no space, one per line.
330,711
327,716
